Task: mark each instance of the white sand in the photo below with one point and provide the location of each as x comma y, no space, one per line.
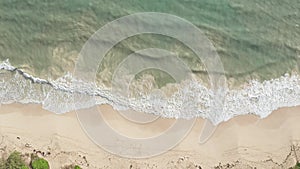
243,142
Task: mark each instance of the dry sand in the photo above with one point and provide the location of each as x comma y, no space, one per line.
242,142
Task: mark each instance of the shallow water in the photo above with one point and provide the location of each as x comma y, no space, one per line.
255,39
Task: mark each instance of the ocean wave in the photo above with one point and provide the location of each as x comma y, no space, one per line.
190,100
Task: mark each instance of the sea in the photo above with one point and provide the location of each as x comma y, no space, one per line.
258,43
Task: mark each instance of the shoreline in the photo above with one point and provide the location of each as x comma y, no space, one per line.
259,98
242,141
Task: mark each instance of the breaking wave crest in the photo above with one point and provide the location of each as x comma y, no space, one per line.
190,100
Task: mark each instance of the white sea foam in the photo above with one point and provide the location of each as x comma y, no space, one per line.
191,100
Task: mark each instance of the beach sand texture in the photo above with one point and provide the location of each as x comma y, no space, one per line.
242,142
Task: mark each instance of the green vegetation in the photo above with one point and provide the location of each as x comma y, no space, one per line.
14,161
297,166
71,167
39,163
77,167
2,164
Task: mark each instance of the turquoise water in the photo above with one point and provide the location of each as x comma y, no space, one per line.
255,39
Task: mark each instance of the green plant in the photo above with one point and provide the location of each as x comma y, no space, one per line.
40,163
72,166
2,164
15,161
77,167
24,167
297,166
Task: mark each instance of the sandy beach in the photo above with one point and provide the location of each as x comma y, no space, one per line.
242,142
